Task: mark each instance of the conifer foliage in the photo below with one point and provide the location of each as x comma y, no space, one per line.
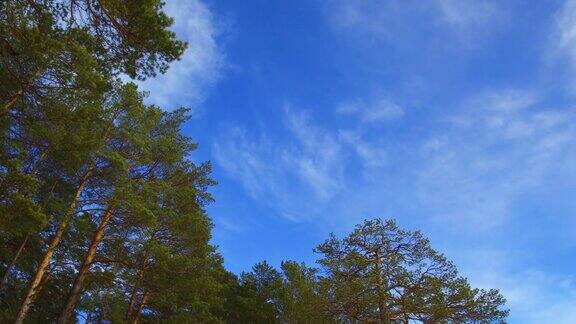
102,211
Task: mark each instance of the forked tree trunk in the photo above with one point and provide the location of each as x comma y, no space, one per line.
85,268
36,283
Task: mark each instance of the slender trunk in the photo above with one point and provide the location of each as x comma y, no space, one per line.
381,297
134,295
35,285
85,268
6,276
141,307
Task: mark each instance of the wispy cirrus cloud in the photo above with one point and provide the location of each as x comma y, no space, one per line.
467,20
379,110
188,80
469,13
293,176
309,169
566,23
564,39
467,171
497,146
371,154
533,295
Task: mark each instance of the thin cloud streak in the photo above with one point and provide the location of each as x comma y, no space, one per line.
291,177
465,21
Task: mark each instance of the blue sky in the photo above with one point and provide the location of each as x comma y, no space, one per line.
456,117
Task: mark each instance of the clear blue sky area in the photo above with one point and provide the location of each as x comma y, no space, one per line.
455,117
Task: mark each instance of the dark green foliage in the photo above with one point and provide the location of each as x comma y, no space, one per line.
266,295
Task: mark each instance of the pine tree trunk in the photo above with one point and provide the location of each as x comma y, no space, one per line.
134,295
6,276
140,308
381,294
35,285
85,268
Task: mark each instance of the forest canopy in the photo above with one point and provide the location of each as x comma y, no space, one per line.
103,209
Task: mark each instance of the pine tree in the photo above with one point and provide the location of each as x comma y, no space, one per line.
383,273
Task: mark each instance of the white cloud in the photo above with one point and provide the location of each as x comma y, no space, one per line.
473,169
394,19
371,155
467,172
567,27
187,81
307,170
293,176
469,13
377,111
508,100
316,154
533,295
245,160
372,17
563,50
229,225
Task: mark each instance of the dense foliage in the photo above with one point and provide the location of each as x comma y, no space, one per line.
102,211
